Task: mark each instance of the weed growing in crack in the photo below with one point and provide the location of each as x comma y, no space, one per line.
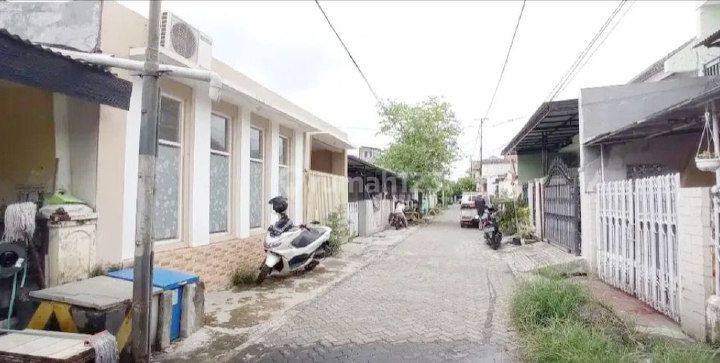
560,322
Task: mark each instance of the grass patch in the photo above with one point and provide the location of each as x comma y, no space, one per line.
560,322
244,277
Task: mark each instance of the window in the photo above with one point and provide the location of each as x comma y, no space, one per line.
284,174
168,182
256,177
219,173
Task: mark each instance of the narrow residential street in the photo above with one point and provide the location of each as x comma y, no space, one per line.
441,294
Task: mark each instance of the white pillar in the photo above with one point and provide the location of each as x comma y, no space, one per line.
244,174
130,176
62,142
273,164
199,208
298,175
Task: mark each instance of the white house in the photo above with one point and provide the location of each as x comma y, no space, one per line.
647,215
220,157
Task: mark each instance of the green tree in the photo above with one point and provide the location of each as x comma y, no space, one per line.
465,184
424,142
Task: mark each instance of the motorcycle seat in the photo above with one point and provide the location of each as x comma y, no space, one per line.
306,237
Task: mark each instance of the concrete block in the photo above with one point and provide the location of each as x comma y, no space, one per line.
162,340
712,316
187,320
199,305
193,309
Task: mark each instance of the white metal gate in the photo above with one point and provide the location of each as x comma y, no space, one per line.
637,239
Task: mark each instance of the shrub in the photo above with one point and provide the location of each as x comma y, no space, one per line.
340,231
512,216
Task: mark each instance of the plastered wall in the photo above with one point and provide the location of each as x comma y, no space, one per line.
27,144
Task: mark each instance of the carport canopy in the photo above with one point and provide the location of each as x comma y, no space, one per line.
551,127
29,64
657,109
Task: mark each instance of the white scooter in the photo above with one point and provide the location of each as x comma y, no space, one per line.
289,248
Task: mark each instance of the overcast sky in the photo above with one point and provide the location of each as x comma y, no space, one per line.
412,50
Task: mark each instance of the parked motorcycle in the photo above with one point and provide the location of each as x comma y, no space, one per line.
490,228
290,248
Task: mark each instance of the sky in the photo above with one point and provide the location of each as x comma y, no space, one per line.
453,50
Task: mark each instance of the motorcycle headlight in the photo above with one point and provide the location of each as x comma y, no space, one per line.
271,243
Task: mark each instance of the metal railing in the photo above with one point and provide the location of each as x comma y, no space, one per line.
712,68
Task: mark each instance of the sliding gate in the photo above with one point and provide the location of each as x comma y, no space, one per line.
561,208
637,239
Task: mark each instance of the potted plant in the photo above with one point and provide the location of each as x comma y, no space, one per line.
707,161
706,158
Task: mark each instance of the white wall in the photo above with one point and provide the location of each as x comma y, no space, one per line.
298,171
76,146
244,182
695,258
130,175
199,173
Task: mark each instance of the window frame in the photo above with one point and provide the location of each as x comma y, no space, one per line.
288,163
181,173
229,145
260,160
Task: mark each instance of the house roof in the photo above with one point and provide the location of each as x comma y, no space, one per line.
357,166
659,65
27,63
681,117
712,40
554,122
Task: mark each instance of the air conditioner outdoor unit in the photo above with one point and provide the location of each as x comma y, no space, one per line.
184,42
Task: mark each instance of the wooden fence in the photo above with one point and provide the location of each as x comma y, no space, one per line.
324,193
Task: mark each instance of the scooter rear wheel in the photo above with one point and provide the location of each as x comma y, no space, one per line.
496,240
264,272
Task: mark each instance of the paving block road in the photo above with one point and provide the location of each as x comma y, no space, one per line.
439,295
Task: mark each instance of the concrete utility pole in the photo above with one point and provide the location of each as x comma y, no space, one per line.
480,162
144,236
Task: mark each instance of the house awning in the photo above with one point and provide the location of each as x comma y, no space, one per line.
551,127
712,40
660,108
26,63
360,167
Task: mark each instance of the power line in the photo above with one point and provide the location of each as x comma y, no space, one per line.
362,74
571,72
507,57
499,81
607,35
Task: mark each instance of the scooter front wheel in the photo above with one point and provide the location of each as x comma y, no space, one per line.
264,272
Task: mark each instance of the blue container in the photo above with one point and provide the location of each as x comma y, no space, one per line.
166,280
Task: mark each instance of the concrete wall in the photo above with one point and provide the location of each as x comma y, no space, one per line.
83,135
27,140
529,167
707,22
74,24
695,258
